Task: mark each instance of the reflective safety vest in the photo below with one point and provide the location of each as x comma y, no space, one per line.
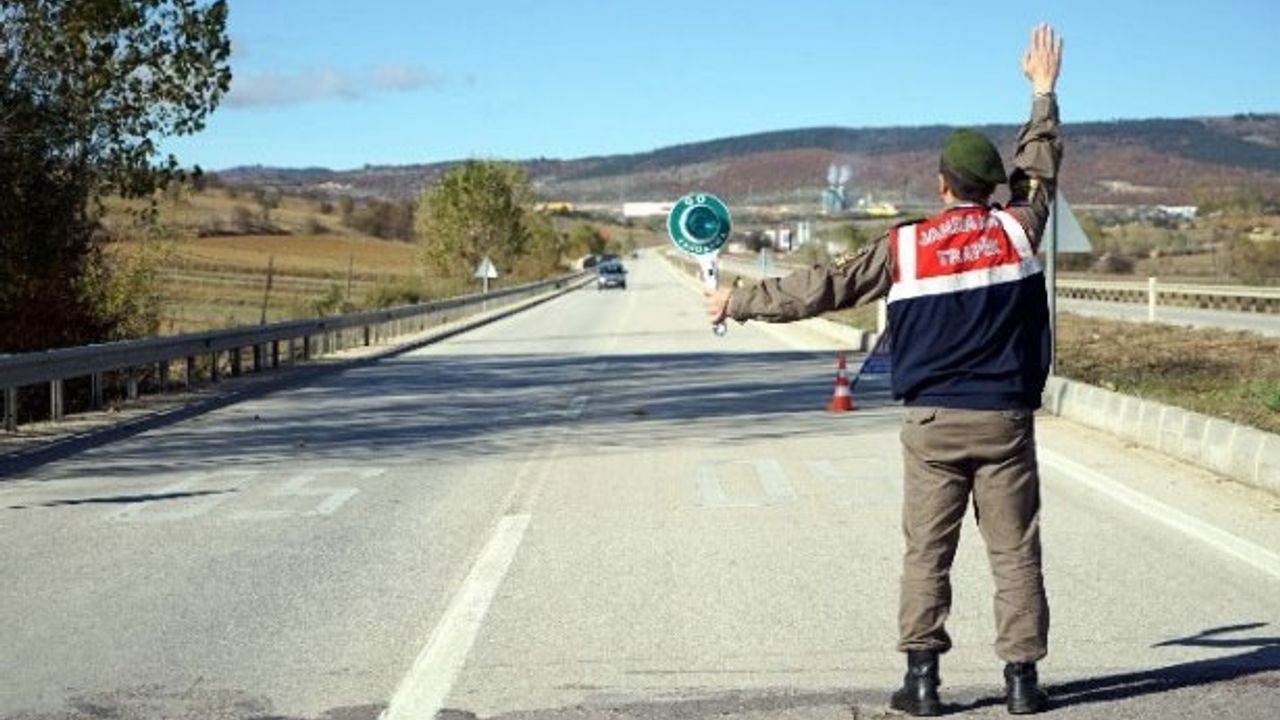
968,312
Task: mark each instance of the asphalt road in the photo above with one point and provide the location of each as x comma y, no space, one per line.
1260,323
595,509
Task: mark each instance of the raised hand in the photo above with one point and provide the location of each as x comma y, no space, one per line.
1043,59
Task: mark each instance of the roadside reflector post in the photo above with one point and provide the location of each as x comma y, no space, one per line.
56,407
1151,299
11,409
95,391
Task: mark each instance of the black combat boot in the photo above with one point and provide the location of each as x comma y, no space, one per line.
1022,689
919,693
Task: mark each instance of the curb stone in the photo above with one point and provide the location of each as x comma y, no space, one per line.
1242,453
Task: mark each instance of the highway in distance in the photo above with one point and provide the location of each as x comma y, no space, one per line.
596,509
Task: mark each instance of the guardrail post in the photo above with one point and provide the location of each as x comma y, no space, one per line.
95,391
132,384
275,354
236,359
11,409
306,347
164,376
57,409
215,372
257,357
189,378
368,336
1151,299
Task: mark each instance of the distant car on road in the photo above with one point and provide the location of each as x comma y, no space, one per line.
610,275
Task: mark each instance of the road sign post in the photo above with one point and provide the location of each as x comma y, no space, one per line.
485,271
699,225
1066,236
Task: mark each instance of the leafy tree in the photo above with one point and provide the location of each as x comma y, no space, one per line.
848,236
543,251
756,241
387,219
478,208
587,239
268,199
87,88
1255,262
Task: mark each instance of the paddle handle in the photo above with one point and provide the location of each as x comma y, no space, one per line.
710,264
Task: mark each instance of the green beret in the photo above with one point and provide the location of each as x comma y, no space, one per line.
970,154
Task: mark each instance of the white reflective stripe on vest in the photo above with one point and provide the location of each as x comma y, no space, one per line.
906,252
1016,233
971,280
909,286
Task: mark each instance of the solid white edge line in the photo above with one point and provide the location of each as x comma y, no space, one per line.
425,689
1243,550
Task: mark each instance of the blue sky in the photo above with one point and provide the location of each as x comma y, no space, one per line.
340,84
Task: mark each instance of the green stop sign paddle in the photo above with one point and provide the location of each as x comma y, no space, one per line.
699,223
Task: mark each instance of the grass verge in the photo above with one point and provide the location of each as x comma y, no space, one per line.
1229,375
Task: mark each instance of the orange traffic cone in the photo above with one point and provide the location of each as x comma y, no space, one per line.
842,400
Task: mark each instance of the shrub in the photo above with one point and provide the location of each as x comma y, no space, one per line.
1115,264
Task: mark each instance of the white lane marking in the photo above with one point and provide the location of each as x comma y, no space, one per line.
226,485
1243,550
333,497
858,481
424,690
769,473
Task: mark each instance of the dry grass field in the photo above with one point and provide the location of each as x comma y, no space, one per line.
1231,375
214,277
221,280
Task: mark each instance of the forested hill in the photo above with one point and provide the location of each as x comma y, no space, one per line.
1145,161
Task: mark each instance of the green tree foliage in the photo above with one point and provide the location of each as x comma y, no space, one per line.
1256,262
544,249
756,240
587,239
812,253
387,219
478,208
847,236
87,88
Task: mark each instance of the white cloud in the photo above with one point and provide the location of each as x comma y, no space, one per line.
399,77
250,90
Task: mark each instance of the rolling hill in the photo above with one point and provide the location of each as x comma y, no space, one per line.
1165,161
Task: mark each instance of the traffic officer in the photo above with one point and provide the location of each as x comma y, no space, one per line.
971,349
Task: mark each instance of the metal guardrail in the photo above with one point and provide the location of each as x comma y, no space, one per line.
302,340
1235,298
1254,299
